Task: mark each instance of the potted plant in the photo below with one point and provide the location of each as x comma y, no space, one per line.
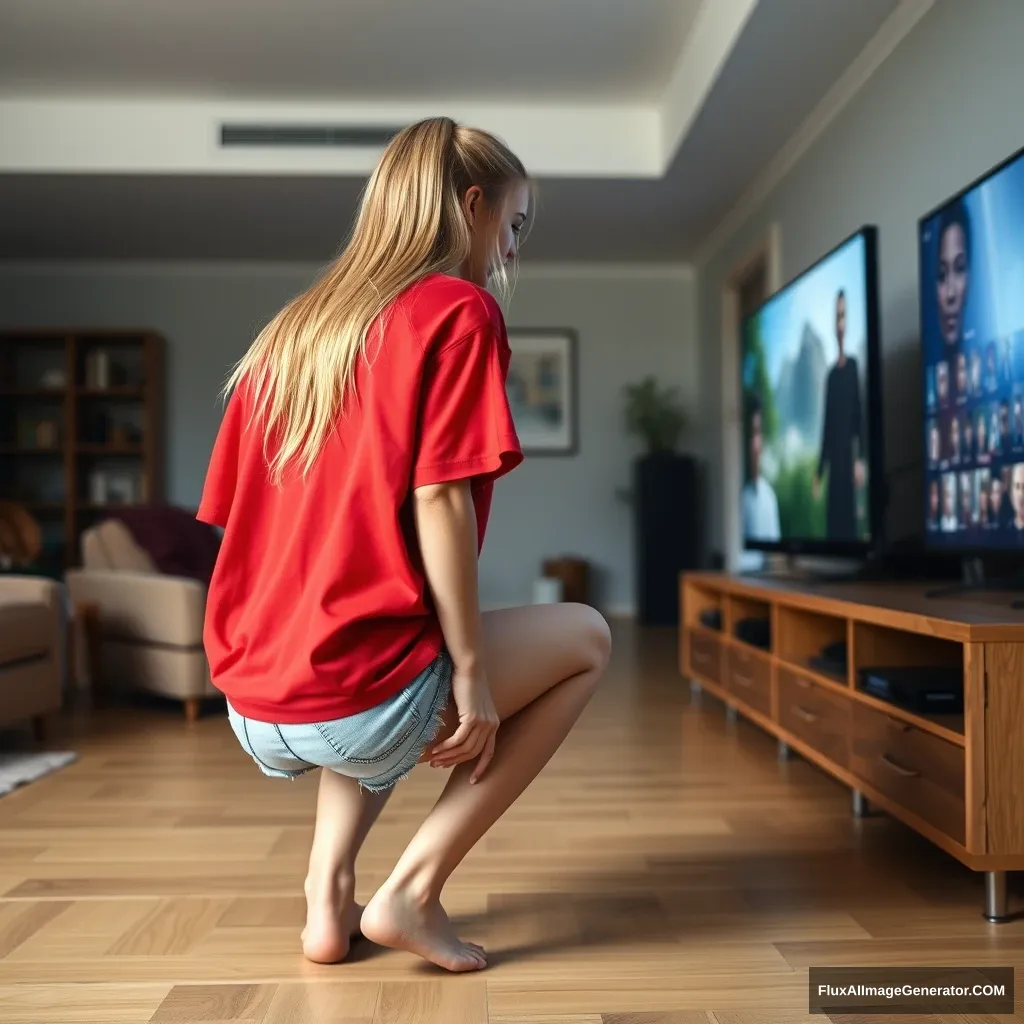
665,499
655,414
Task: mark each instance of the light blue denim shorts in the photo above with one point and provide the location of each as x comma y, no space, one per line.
378,747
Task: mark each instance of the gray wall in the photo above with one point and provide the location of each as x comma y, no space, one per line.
942,109
630,321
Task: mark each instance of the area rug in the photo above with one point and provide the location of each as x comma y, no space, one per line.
22,767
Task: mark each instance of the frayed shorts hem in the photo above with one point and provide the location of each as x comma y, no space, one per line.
378,747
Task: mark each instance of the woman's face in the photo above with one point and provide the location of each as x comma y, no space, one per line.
495,230
933,498
951,282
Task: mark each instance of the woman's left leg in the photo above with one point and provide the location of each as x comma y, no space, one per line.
345,813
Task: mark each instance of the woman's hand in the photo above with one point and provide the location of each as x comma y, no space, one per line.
478,725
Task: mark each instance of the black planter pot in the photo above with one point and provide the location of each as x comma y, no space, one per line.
666,504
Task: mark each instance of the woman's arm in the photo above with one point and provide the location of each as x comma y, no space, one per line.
446,525
447,529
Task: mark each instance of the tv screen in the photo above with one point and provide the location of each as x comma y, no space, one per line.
811,415
972,333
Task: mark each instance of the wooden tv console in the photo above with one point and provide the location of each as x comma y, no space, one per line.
956,779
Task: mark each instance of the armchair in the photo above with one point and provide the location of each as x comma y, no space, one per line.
148,624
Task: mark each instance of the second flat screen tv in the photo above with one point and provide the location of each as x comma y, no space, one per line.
811,409
972,331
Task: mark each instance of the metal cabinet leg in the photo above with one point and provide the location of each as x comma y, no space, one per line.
996,902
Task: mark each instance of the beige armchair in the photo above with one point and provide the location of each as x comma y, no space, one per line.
148,627
31,649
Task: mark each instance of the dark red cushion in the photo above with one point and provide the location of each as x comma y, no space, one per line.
177,542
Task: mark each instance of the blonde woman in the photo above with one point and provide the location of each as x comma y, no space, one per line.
353,475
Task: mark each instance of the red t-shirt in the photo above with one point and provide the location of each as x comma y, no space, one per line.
318,607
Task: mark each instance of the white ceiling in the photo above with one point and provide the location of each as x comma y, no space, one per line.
504,50
605,195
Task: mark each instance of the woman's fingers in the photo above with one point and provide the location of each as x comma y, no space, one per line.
485,758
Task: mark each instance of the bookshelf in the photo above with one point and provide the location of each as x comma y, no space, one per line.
81,427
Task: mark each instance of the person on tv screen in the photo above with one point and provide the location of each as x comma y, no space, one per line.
998,508
949,523
760,505
933,506
982,437
942,383
961,378
1017,496
934,444
954,440
953,271
842,440
982,488
966,502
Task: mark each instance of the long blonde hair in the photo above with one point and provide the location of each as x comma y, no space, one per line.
410,224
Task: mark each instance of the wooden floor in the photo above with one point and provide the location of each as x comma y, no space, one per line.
666,868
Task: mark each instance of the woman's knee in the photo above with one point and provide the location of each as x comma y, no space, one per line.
593,636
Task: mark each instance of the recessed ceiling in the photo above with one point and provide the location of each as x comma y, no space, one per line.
786,57
507,50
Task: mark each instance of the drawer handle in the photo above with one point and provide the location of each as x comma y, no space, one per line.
802,683
742,680
803,713
700,658
907,773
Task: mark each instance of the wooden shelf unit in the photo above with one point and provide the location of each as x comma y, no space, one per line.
954,778
81,426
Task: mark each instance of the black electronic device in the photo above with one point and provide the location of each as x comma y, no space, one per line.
832,659
755,630
926,689
711,618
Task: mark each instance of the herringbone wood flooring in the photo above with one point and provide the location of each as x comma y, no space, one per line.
665,868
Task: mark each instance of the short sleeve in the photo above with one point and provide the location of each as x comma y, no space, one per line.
222,472
465,424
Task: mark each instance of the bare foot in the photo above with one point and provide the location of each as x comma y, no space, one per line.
331,924
396,918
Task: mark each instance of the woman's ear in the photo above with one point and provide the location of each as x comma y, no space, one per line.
472,204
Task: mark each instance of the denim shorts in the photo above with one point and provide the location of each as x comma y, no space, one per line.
378,747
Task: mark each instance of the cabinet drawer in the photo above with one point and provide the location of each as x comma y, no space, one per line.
817,715
706,656
749,679
921,772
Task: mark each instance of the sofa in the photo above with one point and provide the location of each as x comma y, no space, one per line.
31,649
149,601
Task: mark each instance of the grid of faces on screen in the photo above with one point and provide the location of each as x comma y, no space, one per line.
975,443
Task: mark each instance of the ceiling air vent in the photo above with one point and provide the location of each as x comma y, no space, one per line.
308,136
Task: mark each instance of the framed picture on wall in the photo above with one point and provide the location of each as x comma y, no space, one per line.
542,389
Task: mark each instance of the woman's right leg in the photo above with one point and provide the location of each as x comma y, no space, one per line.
543,662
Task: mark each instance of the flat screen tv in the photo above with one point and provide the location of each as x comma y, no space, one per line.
972,336
812,411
